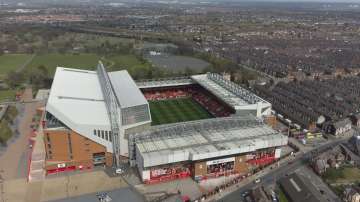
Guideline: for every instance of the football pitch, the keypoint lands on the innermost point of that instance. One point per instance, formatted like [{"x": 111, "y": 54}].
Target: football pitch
[{"x": 176, "y": 110}]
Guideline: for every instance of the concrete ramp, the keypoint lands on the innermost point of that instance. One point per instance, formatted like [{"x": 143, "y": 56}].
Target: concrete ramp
[{"x": 37, "y": 157}]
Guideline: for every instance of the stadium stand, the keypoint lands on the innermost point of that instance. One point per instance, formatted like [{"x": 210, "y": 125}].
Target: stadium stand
[{"x": 197, "y": 93}]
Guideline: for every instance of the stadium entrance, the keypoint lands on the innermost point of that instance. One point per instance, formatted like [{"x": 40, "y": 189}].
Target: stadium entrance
[
  {"x": 220, "y": 166},
  {"x": 167, "y": 173},
  {"x": 99, "y": 159}
]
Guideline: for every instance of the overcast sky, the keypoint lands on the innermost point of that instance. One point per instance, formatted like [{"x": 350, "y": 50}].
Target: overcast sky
[{"x": 337, "y": 1}]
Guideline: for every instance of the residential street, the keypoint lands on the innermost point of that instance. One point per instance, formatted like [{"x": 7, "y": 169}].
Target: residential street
[{"x": 272, "y": 175}]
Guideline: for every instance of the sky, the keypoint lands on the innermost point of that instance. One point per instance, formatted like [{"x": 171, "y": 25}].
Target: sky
[
  {"x": 337, "y": 1},
  {"x": 324, "y": 1}
]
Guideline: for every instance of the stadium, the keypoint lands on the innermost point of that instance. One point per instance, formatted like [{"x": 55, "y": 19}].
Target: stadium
[{"x": 200, "y": 126}]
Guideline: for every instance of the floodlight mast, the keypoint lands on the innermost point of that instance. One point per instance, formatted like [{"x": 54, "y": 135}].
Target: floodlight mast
[{"x": 113, "y": 109}]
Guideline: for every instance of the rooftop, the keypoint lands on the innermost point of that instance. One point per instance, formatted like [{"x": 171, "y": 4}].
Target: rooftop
[
  {"x": 205, "y": 139},
  {"x": 165, "y": 82},
  {"x": 231, "y": 93},
  {"x": 126, "y": 90},
  {"x": 76, "y": 98},
  {"x": 298, "y": 189}
]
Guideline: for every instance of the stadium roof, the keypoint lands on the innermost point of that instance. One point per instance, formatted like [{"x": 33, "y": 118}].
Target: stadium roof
[
  {"x": 205, "y": 139},
  {"x": 166, "y": 82},
  {"x": 126, "y": 91},
  {"x": 76, "y": 99},
  {"x": 229, "y": 92}
]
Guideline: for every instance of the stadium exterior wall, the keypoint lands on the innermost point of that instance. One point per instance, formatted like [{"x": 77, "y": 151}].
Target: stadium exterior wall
[
  {"x": 68, "y": 149},
  {"x": 201, "y": 169},
  {"x": 83, "y": 129},
  {"x": 162, "y": 158}
]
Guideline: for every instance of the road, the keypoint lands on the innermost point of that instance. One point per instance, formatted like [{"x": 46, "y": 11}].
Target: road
[{"x": 275, "y": 174}]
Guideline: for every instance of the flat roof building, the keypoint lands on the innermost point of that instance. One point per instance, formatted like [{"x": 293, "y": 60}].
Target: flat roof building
[{"x": 297, "y": 189}]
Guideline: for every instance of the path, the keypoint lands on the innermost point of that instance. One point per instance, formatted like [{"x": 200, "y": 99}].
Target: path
[
  {"x": 15, "y": 150},
  {"x": 23, "y": 66}
]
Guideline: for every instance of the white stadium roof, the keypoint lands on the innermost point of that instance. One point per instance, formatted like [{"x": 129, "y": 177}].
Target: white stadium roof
[
  {"x": 205, "y": 139},
  {"x": 164, "y": 82},
  {"x": 76, "y": 98},
  {"x": 77, "y": 101},
  {"x": 231, "y": 93},
  {"x": 126, "y": 90}
]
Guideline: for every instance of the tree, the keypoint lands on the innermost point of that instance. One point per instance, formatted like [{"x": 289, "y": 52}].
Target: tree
[
  {"x": 39, "y": 77},
  {"x": 14, "y": 79}
]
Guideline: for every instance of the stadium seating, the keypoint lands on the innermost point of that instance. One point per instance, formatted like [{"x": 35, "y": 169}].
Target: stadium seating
[{"x": 209, "y": 102}]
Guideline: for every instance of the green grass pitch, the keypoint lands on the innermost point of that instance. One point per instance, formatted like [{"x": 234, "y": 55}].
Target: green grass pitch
[{"x": 176, "y": 110}]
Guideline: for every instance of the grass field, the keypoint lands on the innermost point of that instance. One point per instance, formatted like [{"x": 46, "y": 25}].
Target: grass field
[
  {"x": 89, "y": 39},
  {"x": 5, "y": 131},
  {"x": 128, "y": 62},
  {"x": 177, "y": 110},
  {"x": 51, "y": 61},
  {"x": 88, "y": 61},
  {"x": 282, "y": 197},
  {"x": 7, "y": 95},
  {"x": 342, "y": 175},
  {"x": 10, "y": 62},
  {"x": 11, "y": 113}
]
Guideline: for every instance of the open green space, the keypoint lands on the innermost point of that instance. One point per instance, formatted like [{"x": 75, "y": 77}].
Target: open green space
[
  {"x": 89, "y": 61},
  {"x": 7, "y": 95},
  {"x": 9, "y": 62},
  {"x": 53, "y": 60},
  {"x": 11, "y": 113},
  {"x": 128, "y": 62},
  {"x": 5, "y": 131},
  {"x": 176, "y": 110},
  {"x": 339, "y": 190},
  {"x": 89, "y": 39},
  {"x": 282, "y": 196},
  {"x": 342, "y": 175}
]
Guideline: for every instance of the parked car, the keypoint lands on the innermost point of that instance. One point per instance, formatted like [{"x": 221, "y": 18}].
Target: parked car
[
  {"x": 119, "y": 171},
  {"x": 245, "y": 193}
]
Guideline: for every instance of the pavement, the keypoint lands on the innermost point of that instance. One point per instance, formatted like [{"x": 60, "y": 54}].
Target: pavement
[
  {"x": 59, "y": 187},
  {"x": 118, "y": 195},
  {"x": 186, "y": 186},
  {"x": 36, "y": 168},
  {"x": 16, "y": 153}
]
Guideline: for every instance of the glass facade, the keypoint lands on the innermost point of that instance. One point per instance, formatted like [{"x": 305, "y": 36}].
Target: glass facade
[{"x": 132, "y": 115}]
